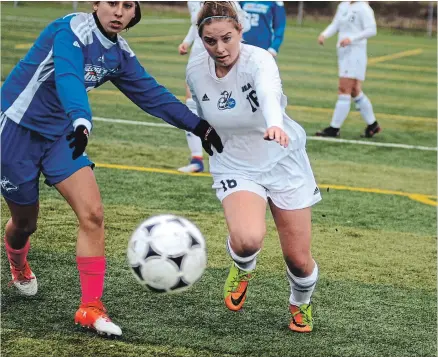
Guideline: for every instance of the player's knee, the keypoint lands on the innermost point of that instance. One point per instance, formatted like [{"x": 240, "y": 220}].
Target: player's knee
[
  {"x": 355, "y": 92},
  {"x": 247, "y": 243},
  {"x": 93, "y": 219},
  {"x": 343, "y": 89},
  {"x": 299, "y": 264},
  {"x": 24, "y": 226}
]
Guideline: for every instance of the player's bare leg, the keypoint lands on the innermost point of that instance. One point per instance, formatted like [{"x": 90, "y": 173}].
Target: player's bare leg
[
  {"x": 294, "y": 229},
  {"x": 245, "y": 215},
  {"x": 82, "y": 194},
  {"x": 342, "y": 108},
  {"x": 20, "y": 226},
  {"x": 363, "y": 104},
  {"x": 196, "y": 163}
]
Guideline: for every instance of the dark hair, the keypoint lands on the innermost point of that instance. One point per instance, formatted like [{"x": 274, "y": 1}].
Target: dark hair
[{"x": 217, "y": 10}]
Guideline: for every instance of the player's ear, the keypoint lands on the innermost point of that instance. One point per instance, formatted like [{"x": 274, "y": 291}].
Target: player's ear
[{"x": 95, "y": 3}]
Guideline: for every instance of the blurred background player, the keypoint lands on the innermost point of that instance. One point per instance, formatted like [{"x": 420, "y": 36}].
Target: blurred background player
[
  {"x": 45, "y": 124},
  {"x": 354, "y": 22},
  {"x": 264, "y": 158},
  {"x": 192, "y": 39},
  {"x": 268, "y": 22}
]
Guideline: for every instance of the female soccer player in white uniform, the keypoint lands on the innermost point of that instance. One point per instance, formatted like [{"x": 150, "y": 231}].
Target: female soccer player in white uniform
[
  {"x": 238, "y": 88},
  {"x": 192, "y": 38},
  {"x": 45, "y": 120},
  {"x": 355, "y": 23}
]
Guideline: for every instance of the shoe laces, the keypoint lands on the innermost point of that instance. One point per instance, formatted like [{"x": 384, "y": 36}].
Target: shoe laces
[
  {"x": 303, "y": 311},
  {"x": 22, "y": 276},
  {"x": 241, "y": 277}
]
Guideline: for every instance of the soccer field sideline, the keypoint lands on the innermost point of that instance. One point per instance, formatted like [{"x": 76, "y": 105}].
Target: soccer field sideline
[{"x": 332, "y": 140}]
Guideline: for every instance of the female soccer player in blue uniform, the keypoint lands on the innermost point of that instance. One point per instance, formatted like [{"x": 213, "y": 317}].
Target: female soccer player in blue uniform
[{"x": 44, "y": 127}]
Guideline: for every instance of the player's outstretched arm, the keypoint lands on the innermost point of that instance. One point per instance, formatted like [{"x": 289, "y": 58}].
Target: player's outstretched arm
[{"x": 142, "y": 89}]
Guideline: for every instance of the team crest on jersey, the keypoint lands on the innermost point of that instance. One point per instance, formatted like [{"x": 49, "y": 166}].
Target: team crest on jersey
[
  {"x": 226, "y": 102},
  {"x": 7, "y": 185},
  {"x": 95, "y": 73}
]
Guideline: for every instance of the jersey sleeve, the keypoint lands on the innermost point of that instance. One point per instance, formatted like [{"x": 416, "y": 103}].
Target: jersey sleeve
[
  {"x": 69, "y": 76},
  {"x": 191, "y": 35},
  {"x": 369, "y": 27},
  {"x": 278, "y": 25},
  {"x": 334, "y": 26},
  {"x": 268, "y": 88},
  {"x": 142, "y": 89}
]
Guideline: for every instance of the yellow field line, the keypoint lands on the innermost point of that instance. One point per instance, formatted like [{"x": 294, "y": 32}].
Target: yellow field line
[
  {"x": 425, "y": 199},
  {"x": 375, "y": 60},
  {"x": 299, "y": 108},
  {"x": 407, "y": 68}
]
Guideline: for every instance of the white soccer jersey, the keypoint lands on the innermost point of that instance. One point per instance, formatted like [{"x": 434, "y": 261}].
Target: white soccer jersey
[
  {"x": 192, "y": 36},
  {"x": 353, "y": 20},
  {"x": 240, "y": 106}
]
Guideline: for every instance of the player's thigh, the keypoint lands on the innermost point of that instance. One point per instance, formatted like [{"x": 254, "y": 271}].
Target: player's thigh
[
  {"x": 295, "y": 232},
  {"x": 21, "y": 152},
  {"x": 82, "y": 193},
  {"x": 244, "y": 203},
  {"x": 245, "y": 214}
]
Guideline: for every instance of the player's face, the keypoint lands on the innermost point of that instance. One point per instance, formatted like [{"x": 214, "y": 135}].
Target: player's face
[
  {"x": 222, "y": 42},
  {"x": 114, "y": 16}
]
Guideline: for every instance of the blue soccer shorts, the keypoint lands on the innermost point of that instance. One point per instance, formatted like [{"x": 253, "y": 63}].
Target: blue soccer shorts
[{"x": 25, "y": 154}]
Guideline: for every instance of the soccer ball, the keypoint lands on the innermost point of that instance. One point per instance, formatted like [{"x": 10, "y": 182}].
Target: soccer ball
[{"x": 167, "y": 253}]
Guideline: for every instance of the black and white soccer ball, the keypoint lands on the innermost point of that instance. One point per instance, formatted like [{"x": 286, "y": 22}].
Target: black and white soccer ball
[{"x": 167, "y": 253}]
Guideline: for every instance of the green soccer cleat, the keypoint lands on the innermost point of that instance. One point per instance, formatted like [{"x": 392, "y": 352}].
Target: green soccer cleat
[{"x": 236, "y": 286}]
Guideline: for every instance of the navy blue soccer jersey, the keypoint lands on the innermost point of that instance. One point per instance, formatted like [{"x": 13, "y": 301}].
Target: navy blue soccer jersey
[
  {"x": 268, "y": 22},
  {"x": 47, "y": 89}
]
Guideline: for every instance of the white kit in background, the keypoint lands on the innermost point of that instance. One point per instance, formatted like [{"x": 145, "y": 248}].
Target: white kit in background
[{"x": 355, "y": 21}]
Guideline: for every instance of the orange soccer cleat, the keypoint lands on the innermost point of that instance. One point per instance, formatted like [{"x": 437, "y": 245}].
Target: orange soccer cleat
[
  {"x": 236, "y": 287},
  {"x": 93, "y": 315},
  {"x": 302, "y": 320}
]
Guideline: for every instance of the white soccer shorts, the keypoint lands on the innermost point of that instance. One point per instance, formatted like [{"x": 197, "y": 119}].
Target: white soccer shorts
[
  {"x": 290, "y": 184},
  {"x": 352, "y": 62}
]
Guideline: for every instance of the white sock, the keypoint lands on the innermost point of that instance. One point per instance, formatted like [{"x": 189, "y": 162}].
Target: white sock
[
  {"x": 342, "y": 108},
  {"x": 301, "y": 289},
  {"x": 365, "y": 107},
  {"x": 243, "y": 263},
  {"x": 194, "y": 142}
]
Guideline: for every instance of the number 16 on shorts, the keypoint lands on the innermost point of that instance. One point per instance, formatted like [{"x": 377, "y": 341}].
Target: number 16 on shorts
[{"x": 228, "y": 184}]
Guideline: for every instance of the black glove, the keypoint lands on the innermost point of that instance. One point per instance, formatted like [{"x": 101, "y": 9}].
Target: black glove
[
  {"x": 79, "y": 140},
  {"x": 208, "y": 137}
]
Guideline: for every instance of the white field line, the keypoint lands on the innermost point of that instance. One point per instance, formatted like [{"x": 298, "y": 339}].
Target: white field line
[{"x": 334, "y": 140}]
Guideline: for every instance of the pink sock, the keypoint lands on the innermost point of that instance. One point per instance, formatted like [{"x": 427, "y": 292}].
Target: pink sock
[
  {"x": 91, "y": 275},
  {"x": 17, "y": 257}
]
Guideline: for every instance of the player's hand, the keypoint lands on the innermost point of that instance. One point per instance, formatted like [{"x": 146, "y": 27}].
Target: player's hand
[
  {"x": 183, "y": 48},
  {"x": 345, "y": 42},
  {"x": 78, "y": 140},
  {"x": 321, "y": 40},
  {"x": 277, "y": 134},
  {"x": 208, "y": 137}
]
